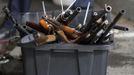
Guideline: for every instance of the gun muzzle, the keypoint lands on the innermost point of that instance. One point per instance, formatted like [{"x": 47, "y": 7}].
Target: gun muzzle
[
  {"x": 99, "y": 14},
  {"x": 108, "y": 8},
  {"x": 121, "y": 28}
]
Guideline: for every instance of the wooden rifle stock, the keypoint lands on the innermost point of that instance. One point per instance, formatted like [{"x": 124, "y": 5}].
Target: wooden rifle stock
[
  {"x": 35, "y": 27},
  {"x": 58, "y": 29}
]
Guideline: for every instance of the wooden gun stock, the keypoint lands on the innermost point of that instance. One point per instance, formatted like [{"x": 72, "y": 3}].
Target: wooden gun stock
[
  {"x": 42, "y": 39},
  {"x": 44, "y": 24},
  {"x": 35, "y": 27}
]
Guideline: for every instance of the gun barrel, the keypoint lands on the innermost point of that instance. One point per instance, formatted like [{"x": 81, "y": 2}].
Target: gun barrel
[
  {"x": 95, "y": 17},
  {"x": 99, "y": 14},
  {"x": 63, "y": 16},
  {"x": 21, "y": 30},
  {"x": 121, "y": 28},
  {"x": 116, "y": 19},
  {"x": 71, "y": 17},
  {"x": 66, "y": 14}
]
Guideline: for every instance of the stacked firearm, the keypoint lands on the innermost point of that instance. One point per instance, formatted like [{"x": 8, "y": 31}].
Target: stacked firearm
[{"x": 50, "y": 30}]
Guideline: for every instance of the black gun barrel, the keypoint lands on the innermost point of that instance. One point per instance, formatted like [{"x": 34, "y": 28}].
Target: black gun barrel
[
  {"x": 66, "y": 15},
  {"x": 21, "y": 30},
  {"x": 116, "y": 19},
  {"x": 99, "y": 14},
  {"x": 73, "y": 15},
  {"x": 63, "y": 16},
  {"x": 108, "y": 8},
  {"x": 121, "y": 28}
]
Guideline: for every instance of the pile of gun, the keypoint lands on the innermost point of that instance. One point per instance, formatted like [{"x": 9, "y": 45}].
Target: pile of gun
[{"x": 50, "y": 30}]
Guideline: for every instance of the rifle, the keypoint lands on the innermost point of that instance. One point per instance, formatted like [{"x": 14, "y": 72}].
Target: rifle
[
  {"x": 121, "y": 28},
  {"x": 96, "y": 15},
  {"x": 21, "y": 30},
  {"x": 116, "y": 19},
  {"x": 91, "y": 37}
]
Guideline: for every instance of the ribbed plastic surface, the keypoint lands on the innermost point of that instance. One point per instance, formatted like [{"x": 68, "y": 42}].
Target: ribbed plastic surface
[{"x": 65, "y": 59}]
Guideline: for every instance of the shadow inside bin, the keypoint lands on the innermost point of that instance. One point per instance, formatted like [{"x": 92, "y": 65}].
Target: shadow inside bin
[{"x": 119, "y": 60}]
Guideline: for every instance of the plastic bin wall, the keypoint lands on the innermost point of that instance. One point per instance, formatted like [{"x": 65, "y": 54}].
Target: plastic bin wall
[
  {"x": 65, "y": 59},
  {"x": 36, "y": 16}
]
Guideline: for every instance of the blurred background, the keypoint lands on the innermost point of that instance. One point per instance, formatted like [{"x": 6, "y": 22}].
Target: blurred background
[{"x": 121, "y": 58}]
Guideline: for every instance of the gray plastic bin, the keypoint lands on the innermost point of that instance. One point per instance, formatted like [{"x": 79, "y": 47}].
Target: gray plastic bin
[{"x": 65, "y": 59}]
